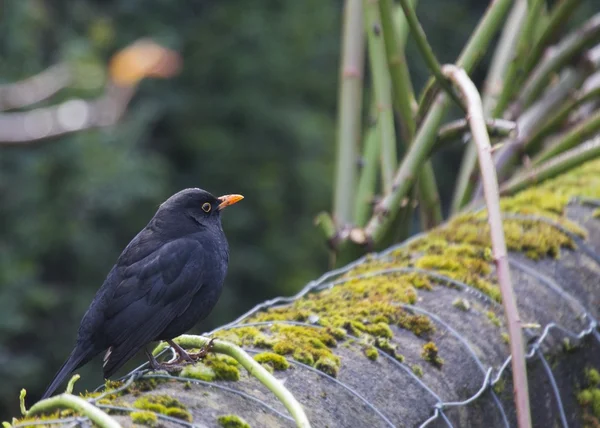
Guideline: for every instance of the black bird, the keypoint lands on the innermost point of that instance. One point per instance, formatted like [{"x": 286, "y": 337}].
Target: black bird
[{"x": 168, "y": 278}]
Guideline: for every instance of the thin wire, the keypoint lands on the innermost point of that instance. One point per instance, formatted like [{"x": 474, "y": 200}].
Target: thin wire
[
  {"x": 552, "y": 285},
  {"x": 158, "y": 415},
  {"x": 474, "y": 356},
  {"x": 221, "y": 387},
  {"x": 130, "y": 380},
  {"x": 328, "y": 280},
  {"x": 555, "y": 390},
  {"x": 407, "y": 369},
  {"x": 436, "y": 413},
  {"x": 340, "y": 383}
]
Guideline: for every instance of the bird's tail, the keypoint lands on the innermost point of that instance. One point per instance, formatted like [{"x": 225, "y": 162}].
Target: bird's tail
[{"x": 77, "y": 359}]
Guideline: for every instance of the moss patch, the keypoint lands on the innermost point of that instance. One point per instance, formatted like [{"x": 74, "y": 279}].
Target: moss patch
[
  {"x": 417, "y": 369},
  {"x": 430, "y": 354},
  {"x": 232, "y": 421},
  {"x": 164, "y": 405},
  {"x": 276, "y": 361},
  {"x": 493, "y": 318},
  {"x": 589, "y": 398},
  {"x": 369, "y": 303},
  {"x": 144, "y": 417}
]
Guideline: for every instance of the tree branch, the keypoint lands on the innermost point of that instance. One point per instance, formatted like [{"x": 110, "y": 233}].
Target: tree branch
[{"x": 490, "y": 184}]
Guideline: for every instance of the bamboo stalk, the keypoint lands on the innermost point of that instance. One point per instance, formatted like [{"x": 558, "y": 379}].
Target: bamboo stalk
[
  {"x": 349, "y": 111},
  {"x": 425, "y": 138},
  {"x": 531, "y": 119},
  {"x": 553, "y": 122},
  {"x": 404, "y": 95},
  {"x": 583, "y": 130},
  {"x": 558, "y": 17},
  {"x": 382, "y": 90},
  {"x": 492, "y": 197},
  {"x": 426, "y": 50},
  {"x": 494, "y": 86},
  {"x": 514, "y": 73},
  {"x": 570, "y": 48},
  {"x": 429, "y": 207},
  {"x": 495, "y": 127},
  {"x": 365, "y": 192},
  {"x": 555, "y": 166}
]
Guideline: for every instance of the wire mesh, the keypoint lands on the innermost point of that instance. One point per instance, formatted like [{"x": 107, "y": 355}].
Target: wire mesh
[{"x": 491, "y": 376}]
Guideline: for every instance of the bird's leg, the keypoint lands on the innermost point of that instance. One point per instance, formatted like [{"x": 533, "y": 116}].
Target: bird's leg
[
  {"x": 182, "y": 355},
  {"x": 155, "y": 365}
]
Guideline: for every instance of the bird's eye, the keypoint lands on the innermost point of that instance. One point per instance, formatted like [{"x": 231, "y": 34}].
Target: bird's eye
[{"x": 206, "y": 207}]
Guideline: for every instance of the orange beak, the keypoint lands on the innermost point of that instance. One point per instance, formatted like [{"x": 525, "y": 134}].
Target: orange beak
[{"x": 227, "y": 200}]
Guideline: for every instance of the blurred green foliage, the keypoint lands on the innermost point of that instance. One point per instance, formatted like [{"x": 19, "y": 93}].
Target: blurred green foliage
[{"x": 252, "y": 112}]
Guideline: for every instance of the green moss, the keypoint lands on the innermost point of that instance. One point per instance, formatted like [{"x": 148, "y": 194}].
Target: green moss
[
  {"x": 144, "y": 418},
  {"x": 593, "y": 377},
  {"x": 371, "y": 353},
  {"x": 275, "y": 361},
  {"x": 304, "y": 357},
  {"x": 589, "y": 398},
  {"x": 224, "y": 371},
  {"x": 380, "y": 329},
  {"x": 178, "y": 413},
  {"x": 596, "y": 213},
  {"x": 232, "y": 421},
  {"x": 499, "y": 386},
  {"x": 371, "y": 306},
  {"x": 430, "y": 354},
  {"x": 493, "y": 318},
  {"x": 417, "y": 370},
  {"x": 462, "y": 304},
  {"x": 199, "y": 371},
  {"x": 328, "y": 365},
  {"x": 505, "y": 337},
  {"x": 164, "y": 405}
]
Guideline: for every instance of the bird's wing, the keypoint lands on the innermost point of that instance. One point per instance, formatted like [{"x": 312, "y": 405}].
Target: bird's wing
[{"x": 153, "y": 292}]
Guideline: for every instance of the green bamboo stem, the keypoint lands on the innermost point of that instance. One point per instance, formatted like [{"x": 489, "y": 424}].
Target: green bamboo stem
[
  {"x": 426, "y": 50},
  {"x": 476, "y": 120},
  {"x": 253, "y": 368},
  {"x": 506, "y": 158},
  {"x": 430, "y": 208},
  {"x": 533, "y": 143},
  {"x": 68, "y": 401},
  {"x": 561, "y": 55},
  {"x": 583, "y": 130},
  {"x": 457, "y": 128},
  {"x": 540, "y": 27},
  {"x": 382, "y": 91},
  {"x": 514, "y": 74},
  {"x": 401, "y": 25},
  {"x": 365, "y": 193},
  {"x": 325, "y": 223},
  {"x": 425, "y": 138},
  {"x": 349, "y": 111},
  {"x": 404, "y": 95},
  {"x": 555, "y": 166},
  {"x": 559, "y": 15},
  {"x": 494, "y": 87}
]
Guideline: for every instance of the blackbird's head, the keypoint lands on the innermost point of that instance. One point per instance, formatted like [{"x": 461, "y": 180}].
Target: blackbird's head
[{"x": 199, "y": 206}]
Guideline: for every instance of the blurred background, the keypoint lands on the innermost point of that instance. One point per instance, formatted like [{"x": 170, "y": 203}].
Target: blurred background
[{"x": 252, "y": 111}]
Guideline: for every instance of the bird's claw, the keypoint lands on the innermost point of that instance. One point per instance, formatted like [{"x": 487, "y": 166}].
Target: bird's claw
[{"x": 203, "y": 351}]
